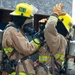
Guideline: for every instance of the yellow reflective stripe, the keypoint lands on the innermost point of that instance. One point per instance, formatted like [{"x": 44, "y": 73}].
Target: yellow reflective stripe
[
  {"x": 53, "y": 18},
  {"x": 43, "y": 58},
  {"x": 62, "y": 57},
  {"x": 7, "y": 50},
  {"x": 46, "y": 58},
  {"x": 57, "y": 56},
  {"x": 20, "y": 73},
  {"x": 36, "y": 42},
  {"x": 49, "y": 74}
]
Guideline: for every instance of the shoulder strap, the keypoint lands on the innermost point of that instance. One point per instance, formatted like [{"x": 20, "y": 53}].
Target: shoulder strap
[{"x": 10, "y": 25}]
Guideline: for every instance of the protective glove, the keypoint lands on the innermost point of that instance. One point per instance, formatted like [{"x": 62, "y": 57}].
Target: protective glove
[
  {"x": 43, "y": 20},
  {"x": 40, "y": 36},
  {"x": 57, "y": 9},
  {"x": 42, "y": 24}
]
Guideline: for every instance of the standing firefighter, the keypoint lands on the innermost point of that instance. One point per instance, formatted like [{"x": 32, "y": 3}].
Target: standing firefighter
[
  {"x": 57, "y": 30},
  {"x": 15, "y": 44}
]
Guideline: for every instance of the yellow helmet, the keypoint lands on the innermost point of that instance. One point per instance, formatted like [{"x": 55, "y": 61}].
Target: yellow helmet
[
  {"x": 67, "y": 21},
  {"x": 24, "y": 9}
]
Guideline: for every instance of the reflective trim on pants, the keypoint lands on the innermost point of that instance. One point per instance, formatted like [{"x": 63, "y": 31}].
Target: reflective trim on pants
[
  {"x": 20, "y": 73},
  {"x": 46, "y": 58},
  {"x": 49, "y": 74}
]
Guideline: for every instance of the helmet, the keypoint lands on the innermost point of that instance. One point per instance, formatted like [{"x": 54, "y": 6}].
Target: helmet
[
  {"x": 67, "y": 21},
  {"x": 24, "y": 9}
]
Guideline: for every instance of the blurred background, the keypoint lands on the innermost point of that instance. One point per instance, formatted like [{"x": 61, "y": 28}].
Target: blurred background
[{"x": 44, "y": 6}]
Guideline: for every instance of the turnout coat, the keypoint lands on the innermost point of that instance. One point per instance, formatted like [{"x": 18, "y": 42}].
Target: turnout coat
[{"x": 15, "y": 39}]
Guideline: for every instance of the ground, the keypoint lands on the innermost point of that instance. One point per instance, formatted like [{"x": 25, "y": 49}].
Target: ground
[{"x": 71, "y": 67}]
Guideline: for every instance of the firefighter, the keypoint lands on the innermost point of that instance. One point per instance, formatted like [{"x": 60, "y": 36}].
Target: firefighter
[
  {"x": 15, "y": 43},
  {"x": 57, "y": 30}
]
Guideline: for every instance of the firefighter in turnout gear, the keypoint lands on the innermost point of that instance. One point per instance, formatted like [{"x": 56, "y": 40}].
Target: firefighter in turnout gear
[
  {"x": 57, "y": 30},
  {"x": 16, "y": 45}
]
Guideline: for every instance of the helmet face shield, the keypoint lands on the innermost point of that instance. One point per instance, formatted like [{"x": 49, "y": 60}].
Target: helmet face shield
[
  {"x": 24, "y": 9},
  {"x": 34, "y": 9}
]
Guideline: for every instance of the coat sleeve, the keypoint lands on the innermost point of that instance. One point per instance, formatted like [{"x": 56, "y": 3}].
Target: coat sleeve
[
  {"x": 52, "y": 37},
  {"x": 51, "y": 24},
  {"x": 21, "y": 43}
]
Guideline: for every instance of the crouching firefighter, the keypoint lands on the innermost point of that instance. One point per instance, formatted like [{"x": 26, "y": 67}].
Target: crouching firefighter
[
  {"x": 16, "y": 45},
  {"x": 57, "y": 30}
]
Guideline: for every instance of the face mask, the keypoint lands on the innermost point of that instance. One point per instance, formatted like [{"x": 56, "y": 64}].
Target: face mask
[{"x": 28, "y": 28}]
